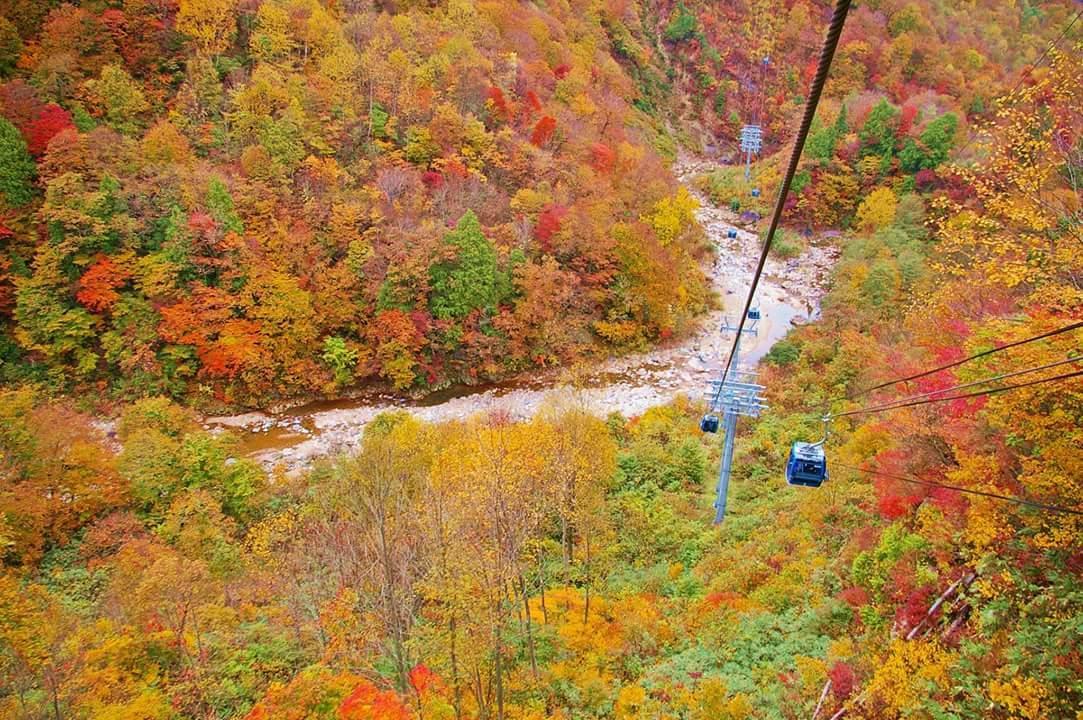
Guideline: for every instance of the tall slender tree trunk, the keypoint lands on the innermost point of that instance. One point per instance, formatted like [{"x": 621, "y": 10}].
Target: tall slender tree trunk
[
  {"x": 529, "y": 628},
  {"x": 457, "y": 689},
  {"x": 565, "y": 552},
  {"x": 586, "y": 584},
  {"x": 541, "y": 587},
  {"x": 480, "y": 695},
  {"x": 371, "y": 104},
  {"x": 391, "y": 606},
  {"x": 453, "y": 629},
  {"x": 499, "y": 677},
  {"x": 499, "y": 608},
  {"x": 55, "y": 692},
  {"x": 509, "y": 595}
]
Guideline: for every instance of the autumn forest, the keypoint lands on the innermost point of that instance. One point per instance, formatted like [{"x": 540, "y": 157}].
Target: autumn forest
[{"x": 231, "y": 208}]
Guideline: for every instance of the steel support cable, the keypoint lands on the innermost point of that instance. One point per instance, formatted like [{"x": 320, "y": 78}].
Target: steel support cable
[
  {"x": 984, "y": 381},
  {"x": 979, "y": 393},
  {"x": 827, "y": 54},
  {"x": 968, "y": 491},
  {"x": 969, "y": 358}
]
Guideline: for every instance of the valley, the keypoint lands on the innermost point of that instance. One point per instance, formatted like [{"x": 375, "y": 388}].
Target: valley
[
  {"x": 353, "y": 357},
  {"x": 627, "y": 385}
]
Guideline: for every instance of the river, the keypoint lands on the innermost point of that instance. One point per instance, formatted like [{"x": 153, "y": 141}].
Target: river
[{"x": 789, "y": 292}]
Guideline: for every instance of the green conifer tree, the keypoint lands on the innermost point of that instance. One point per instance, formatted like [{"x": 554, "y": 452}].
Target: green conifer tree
[{"x": 469, "y": 281}]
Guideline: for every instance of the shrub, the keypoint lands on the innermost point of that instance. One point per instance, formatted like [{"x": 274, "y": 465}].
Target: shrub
[
  {"x": 682, "y": 25},
  {"x": 787, "y": 245}
]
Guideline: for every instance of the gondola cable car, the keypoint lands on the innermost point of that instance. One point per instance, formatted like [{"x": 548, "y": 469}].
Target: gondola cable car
[
  {"x": 708, "y": 423},
  {"x": 807, "y": 465}
]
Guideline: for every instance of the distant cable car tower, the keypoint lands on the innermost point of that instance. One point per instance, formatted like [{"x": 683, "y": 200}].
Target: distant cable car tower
[
  {"x": 752, "y": 134},
  {"x": 751, "y": 143},
  {"x": 729, "y": 397}
]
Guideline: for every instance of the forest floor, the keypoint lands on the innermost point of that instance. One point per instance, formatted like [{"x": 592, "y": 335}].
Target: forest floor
[{"x": 789, "y": 293}]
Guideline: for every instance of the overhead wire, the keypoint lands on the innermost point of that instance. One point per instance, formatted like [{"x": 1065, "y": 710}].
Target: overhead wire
[
  {"x": 826, "y": 57},
  {"x": 947, "y": 366},
  {"x": 827, "y": 54},
  {"x": 979, "y": 393},
  {"x": 983, "y": 381},
  {"x": 1024, "y": 74},
  {"x": 1064, "y": 32},
  {"x": 967, "y": 491},
  {"x": 1051, "y": 45},
  {"x": 1075, "y": 359}
]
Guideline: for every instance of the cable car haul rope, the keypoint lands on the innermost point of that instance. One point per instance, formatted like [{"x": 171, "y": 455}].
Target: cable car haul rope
[
  {"x": 966, "y": 491},
  {"x": 939, "y": 396},
  {"x": 743, "y": 398},
  {"x": 969, "y": 358},
  {"x": 936, "y": 396},
  {"x": 827, "y": 54}
]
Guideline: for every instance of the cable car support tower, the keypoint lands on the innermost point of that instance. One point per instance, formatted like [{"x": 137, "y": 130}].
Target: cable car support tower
[
  {"x": 752, "y": 133},
  {"x": 733, "y": 395},
  {"x": 751, "y": 143}
]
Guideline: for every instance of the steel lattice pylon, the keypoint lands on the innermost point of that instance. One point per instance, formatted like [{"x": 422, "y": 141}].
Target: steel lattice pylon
[
  {"x": 730, "y": 397},
  {"x": 742, "y": 398},
  {"x": 751, "y": 144}
]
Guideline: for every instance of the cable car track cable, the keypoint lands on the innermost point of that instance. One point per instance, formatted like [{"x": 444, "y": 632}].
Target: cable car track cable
[
  {"x": 979, "y": 393},
  {"x": 827, "y": 54},
  {"x": 968, "y": 491},
  {"x": 969, "y": 358},
  {"x": 1051, "y": 45},
  {"x": 1033, "y": 66},
  {"x": 1041, "y": 58},
  {"x": 1003, "y": 376}
]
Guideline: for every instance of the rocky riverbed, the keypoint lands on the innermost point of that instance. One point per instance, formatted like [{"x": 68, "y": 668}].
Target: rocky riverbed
[{"x": 788, "y": 294}]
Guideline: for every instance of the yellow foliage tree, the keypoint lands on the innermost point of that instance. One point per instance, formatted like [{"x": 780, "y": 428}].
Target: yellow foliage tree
[
  {"x": 673, "y": 216},
  {"x": 270, "y": 40},
  {"x": 877, "y": 210},
  {"x": 1024, "y": 232},
  {"x": 909, "y": 673},
  {"x": 1020, "y": 696},
  {"x": 210, "y": 23}
]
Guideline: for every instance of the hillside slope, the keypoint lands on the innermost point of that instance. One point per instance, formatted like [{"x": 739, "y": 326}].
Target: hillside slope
[
  {"x": 252, "y": 201},
  {"x": 246, "y": 202},
  {"x": 565, "y": 567}
]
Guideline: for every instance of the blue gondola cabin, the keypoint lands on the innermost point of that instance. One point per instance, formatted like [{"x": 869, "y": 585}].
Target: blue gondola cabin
[
  {"x": 709, "y": 423},
  {"x": 807, "y": 465}
]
